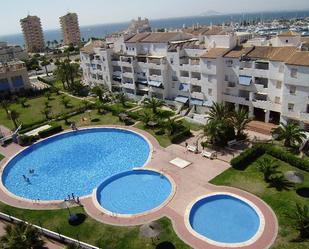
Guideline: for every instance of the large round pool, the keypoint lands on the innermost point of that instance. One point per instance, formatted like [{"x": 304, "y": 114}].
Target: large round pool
[
  {"x": 134, "y": 192},
  {"x": 223, "y": 218},
  {"x": 74, "y": 162}
]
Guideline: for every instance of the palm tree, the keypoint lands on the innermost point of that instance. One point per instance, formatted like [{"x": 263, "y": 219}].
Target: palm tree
[
  {"x": 23, "y": 102},
  {"x": 122, "y": 98},
  {"x": 240, "y": 120},
  {"x": 268, "y": 167},
  {"x": 60, "y": 73},
  {"x": 48, "y": 95},
  {"x": 218, "y": 111},
  {"x": 291, "y": 133},
  {"x": 153, "y": 104},
  {"x": 146, "y": 117},
  {"x": 14, "y": 115},
  {"x": 171, "y": 126},
  {"x": 5, "y": 104},
  {"x": 301, "y": 220},
  {"x": 100, "y": 107},
  {"x": 21, "y": 236},
  {"x": 45, "y": 63}
]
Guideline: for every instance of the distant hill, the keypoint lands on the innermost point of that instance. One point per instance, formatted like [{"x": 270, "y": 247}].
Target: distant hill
[{"x": 211, "y": 13}]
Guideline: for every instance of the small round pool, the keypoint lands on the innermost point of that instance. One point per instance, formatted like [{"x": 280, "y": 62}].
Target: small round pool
[
  {"x": 74, "y": 162},
  {"x": 223, "y": 218},
  {"x": 134, "y": 192}
]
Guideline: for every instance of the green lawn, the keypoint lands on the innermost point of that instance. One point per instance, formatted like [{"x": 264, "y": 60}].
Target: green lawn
[
  {"x": 163, "y": 140},
  {"x": 32, "y": 113},
  {"x": 93, "y": 232},
  {"x": 192, "y": 126},
  {"x": 281, "y": 202},
  {"x": 1, "y": 157}
]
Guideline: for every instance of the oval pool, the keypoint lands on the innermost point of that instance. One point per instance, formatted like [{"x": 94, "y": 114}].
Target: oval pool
[
  {"x": 134, "y": 192},
  {"x": 74, "y": 162},
  {"x": 224, "y": 218}
]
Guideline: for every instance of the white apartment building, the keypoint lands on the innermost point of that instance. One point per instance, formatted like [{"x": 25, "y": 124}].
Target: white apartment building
[
  {"x": 13, "y": 77},
  {"x": 11, "y": 52},
  {"x": 201, "y": 67}
]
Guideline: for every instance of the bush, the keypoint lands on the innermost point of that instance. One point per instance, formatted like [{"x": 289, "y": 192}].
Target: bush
[
  {"x": 50, "y": 131},
  {"x": 133, "y": 115},
  {"x": 250, "y": 155},
  {"x": 247, "y": 157},
  {"x": 180, "y": 136},
  {"x": 160, "y": 132},
  {"x": 25, "y": 140}
]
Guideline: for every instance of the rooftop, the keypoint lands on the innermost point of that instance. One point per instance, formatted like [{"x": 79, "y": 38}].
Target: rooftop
[{"x": 214, "y": 53}]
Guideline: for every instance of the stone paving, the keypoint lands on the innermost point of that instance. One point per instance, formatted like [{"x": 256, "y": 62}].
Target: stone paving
[{"x": 192, "y": 182}]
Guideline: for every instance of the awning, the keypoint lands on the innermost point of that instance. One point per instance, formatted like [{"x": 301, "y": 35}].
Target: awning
[
  {"x": 143, "y": 82},
  {"x": 184, "y": 87},
  {"x": 182, "y": 99},
  {"x": 117, "y": 77},
  {"x": 196, "y": 102},
  {"x": 245, "y": 80},
  {"x": 208, "y": 103},
  {"x": 4, "y": 85},
  {"x": 154, "y": 83},
  {"x": 261, "y": 93}
]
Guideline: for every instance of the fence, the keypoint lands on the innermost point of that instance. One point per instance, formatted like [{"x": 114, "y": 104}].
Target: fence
[{"x": 50, "y": 234}]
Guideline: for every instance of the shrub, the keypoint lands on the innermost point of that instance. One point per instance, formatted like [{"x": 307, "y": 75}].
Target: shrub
[
  {"x": 160, "y": 132},
  {"x": 250, "y": 155},
  {"x": 247, "y": 157},
  {"x": 134, "y": 115},
  {"x": 25, "y": 140},
  {"x": 180, "y": 136},
  {"x": 50, "y": 131}
]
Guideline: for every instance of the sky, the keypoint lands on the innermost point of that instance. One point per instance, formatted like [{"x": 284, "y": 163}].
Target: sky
[{"x": 111, "y": 11}]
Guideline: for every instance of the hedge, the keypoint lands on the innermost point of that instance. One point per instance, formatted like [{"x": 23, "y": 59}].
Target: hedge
[
  {"x": 25, "y": 140},
  {"x": 50, "y": 131},
  {"x": 250, "y": 155},
  {"x": 181, "y": 135}
]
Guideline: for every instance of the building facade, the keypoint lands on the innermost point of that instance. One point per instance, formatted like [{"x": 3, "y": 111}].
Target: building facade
[
  {"x": 33, "y": 34},
  {"x": 13, "y": 77},
  {"x": 70, "y": 29},
  {"x": 11, "y": 52},
  {"x": 198, "y": 69}
]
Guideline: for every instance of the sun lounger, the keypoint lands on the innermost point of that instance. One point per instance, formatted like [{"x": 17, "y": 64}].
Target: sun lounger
[
  {"x": 192, "y": 148},
  {"x": 210, "y": 155}
]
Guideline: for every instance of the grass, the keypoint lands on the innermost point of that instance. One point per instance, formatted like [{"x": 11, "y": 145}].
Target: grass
[
  {"x": 282, "y": 202},
  {"x": 1, "y": 157},
  {"x": 94, "y": 232},
  {"x": 32, "y": 113},
  {"x": 163, "y": 140},
  {"x": 192, "y": 126}
]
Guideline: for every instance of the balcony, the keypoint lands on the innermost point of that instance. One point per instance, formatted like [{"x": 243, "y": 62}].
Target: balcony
[
  {"x": 128, "y": 86},
  {"x": 155, "y": 77},
  {"x": 128, "y": 75},
  {"x": 183, "y": 79},
  {"x": 236, "y": 99},
  {"x": 254, "y": 72},
  {"x": 304, "y": 116},
  {"x": 266, "y": 105},
  {"x": 197, "y": 95},
  {"x": 196, "y": 81}
]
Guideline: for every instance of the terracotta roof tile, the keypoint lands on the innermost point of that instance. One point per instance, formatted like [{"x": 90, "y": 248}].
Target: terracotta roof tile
[
  {"x": 238, "y": 52},
  {"x": 299, "y": 58},
  {"x": 288, "y": 33},
  {"x": 215, "y": 53}
]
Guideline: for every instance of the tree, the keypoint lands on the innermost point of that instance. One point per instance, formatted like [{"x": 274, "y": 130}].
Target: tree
[
  {"x": 171, "y": 126},
  {"x": 240, "y": 120},
  {"x": 65, "y": 101},
  {"x": 100, "y": 107},
  {"x": 300, "y": 219},
  {"x": 48, "y": 43},
  {"x": 219, "y": 132},
  {"x": 146, "y": 117},
  {"x": 291, "y": 133},
  {"x": 45, "y": 63},
  {"x": 122, "y": 98},
  {"x": 268, "y": 167},
  {"x": 23, "y": 102},
  {"x": 153, "y": 104},
  {"x": 21, "y": 236},
  {"x": 46, "y": 112},
  {"x": 5, "y": 104},
  {"x": 14, "y": 115},
  {"x": 218, "y": 111},
  {"x": 98, "y": 91}
]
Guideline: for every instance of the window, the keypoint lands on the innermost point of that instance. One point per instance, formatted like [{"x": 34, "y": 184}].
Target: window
[
  {"x": 281, "y": 68},
  {"x": 277, "y": 100},
  {"x": 173, "y": 84},
  {"x": 292, "y": 90},
  {"x": 229, "y": 63},
  {"x": 172, "y": 60},
  {"x": 226, "y": 77},
  {"x": 286, "y": 41},
  {"x": 279, "y": 84},
  {"x": 294, "y": 73},
  {"x": 290, "y": 107},
  {"x": 209, "y": 92},
  {"x": 208, "y": 64},
  {"x": 209, "y": 78}
]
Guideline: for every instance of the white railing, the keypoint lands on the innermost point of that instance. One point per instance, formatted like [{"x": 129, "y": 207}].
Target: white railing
[{"x": 48, "y": 233}]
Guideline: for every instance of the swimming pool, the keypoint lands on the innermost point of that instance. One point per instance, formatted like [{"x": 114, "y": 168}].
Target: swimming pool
[
  {"x": 223, "y": 218},
  {"x": 74, "y": 162},
  {"x": 134, "y": 192}
]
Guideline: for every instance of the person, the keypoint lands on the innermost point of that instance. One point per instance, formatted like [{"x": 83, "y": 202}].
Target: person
[
  {"x": 73, "y": 196},
  {"x": 77, "y": 200},
  {"x": 186, "y": 144}
]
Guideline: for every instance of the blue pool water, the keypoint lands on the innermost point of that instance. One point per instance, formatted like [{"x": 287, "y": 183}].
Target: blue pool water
[
  {"x": 75, "y": 162},
  {"x": 134, "y": 192},
  {"x": 224, "y": 218}
]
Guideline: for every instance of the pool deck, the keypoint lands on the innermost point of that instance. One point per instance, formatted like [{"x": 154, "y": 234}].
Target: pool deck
[{"x": 192, "y": 182}]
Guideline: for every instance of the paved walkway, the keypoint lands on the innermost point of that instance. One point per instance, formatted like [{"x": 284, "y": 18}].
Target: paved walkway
[{"x": 191, "y": 183}]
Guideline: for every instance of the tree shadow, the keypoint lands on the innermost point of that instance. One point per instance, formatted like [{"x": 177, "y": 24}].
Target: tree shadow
[
  {"x": 280, "y": 183},
  {"x": 303, "y": 192},
  {"x": 77, "y": 219},
  {"x": 165, "y": 245}
]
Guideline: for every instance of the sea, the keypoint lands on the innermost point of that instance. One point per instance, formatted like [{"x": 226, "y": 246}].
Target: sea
[{"x": 101, "y": 30}]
